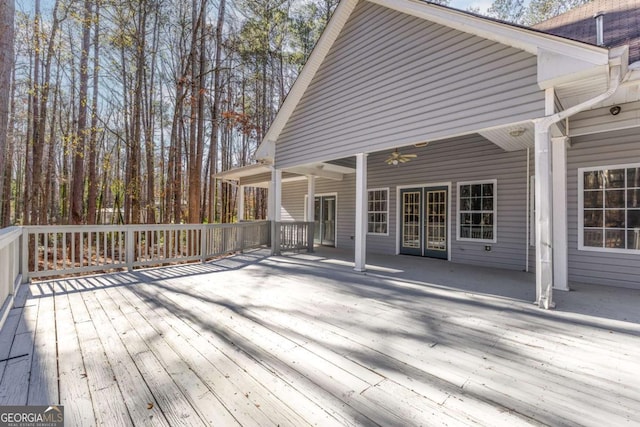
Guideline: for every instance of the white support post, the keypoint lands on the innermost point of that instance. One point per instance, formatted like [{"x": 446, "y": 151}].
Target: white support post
[
  {"x": 560, "y": 231},
  {"x": 271, "y": 198},
  {"x": 361, "y": 212},
  {"x": 544, "y": 208},
  {"x": 310, "y": 216},
  {"x": 278, "y": 198},
  {"x": 311, "y": 197},
  {"x": 240, "y": 203},
  {"x": 275, "y": 198}
]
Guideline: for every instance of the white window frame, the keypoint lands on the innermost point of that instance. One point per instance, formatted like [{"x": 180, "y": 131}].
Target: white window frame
[
  {"x": 495, "y": 211},
  {"x": 369, "y": 190},
  {"x": 581, "y": 245}
]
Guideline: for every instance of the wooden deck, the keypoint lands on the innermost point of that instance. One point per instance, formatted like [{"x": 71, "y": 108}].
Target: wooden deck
[{"x": 301, "y": 340}]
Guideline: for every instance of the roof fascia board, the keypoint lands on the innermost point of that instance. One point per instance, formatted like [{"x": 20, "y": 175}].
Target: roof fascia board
[
  {"x": 320, "y": 51},
  {"x": 520, "y": 38}
]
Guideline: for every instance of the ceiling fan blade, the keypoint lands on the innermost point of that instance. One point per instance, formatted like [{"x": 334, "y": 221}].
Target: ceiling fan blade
[{"x": 410, "y": 156}]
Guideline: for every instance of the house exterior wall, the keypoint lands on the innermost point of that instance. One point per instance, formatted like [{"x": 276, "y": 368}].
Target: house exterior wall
[
  {"x": 603, "y": 149},
  {"x": 474, "y": 158},
  {"x": 467, "y": 158},
  {"x": 391, "y": 79}
]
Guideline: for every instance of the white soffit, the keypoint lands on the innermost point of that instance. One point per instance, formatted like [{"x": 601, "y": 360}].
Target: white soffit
[{"x": 504, "y": 139}]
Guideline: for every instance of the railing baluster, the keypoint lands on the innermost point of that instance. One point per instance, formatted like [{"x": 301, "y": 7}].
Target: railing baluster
[
  {"x": 45, "y": 264},
  {"x": 55, "y": 251}
]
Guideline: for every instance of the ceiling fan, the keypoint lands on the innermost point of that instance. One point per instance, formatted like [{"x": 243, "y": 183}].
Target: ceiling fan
[{"x": 396, "y": 158}]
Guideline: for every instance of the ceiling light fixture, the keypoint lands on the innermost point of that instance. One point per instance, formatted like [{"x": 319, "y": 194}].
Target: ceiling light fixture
[
  {"x": 516, "y": 132},
  {"x": 615, "y": 110}
]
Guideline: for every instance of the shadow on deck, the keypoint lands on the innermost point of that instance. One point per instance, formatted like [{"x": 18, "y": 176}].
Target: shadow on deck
[{"x": 302, "y": 339}]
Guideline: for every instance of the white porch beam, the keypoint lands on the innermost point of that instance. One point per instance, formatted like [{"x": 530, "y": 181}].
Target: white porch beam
[
  {"x": 240, "y": 203},
  {"x": 311, "y": 196},
  {"x": 560, "y": 230},
  {"x": 317, "y": 171},
  {"x": 361, "y": 212}
]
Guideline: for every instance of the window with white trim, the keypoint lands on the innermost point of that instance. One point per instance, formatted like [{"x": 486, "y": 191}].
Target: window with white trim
[
  {"x": 378, "y": 211},
  {"x": 477, "y": 209},
  {"x": 609, "y": 208}
]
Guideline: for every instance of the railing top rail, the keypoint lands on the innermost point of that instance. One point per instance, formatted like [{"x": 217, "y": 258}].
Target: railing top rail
[
  {"x": 131, "y": 227},
  {"x": 9, "y": 235}
]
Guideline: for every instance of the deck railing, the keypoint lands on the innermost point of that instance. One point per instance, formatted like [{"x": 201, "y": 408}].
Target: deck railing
[
  {"x": 294, "y": 235},
  {"x": 48, "y": 251},
  {"x": 60, "y": 250},
  {"x": 10, "y": 278}
]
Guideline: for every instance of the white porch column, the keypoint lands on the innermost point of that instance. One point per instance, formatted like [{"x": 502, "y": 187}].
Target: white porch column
[
  {"x": 544, "y": 209},
  {"x": 311, "y": 196},
  {"x": 240, "y": 203},
  {"x": 271, "y": 199},
  {"x": 361, "y": 212},
  {"x": 560, "y": 232},
  {"x": 275, "y": 199}
]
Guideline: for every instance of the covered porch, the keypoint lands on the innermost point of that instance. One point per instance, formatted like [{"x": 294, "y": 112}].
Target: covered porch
[{"x": 302, "y": 339}]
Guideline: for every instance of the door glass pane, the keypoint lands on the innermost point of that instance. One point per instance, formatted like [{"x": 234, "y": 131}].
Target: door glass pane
[
  {"x": 436, "y": 226},
  {"x": 329, "y": 221},
  {"x": 411, "y": 219}
]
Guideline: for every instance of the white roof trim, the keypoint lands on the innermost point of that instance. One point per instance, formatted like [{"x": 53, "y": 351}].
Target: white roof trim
[
  {"x": 243, "y": 171},
  {"x": 320, "y": 51},
  {"x": 521, "y": 38}
]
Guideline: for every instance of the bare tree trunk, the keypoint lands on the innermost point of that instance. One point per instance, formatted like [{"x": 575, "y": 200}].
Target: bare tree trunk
[
  {"x": 6, "y": 171},
  {"x": 79, "y": 152},
  {"x": 149, "y": 124},
  {"x": 195, "y": 142},
  {"x": 32, "y": 160},
  {"x": 215, "y": 113},
  {"x": 134, "y": 187},
  {"x": 93, "y": 174},
  {"x": 7, "y": 12},
  {"x": 49, "y": 195}
]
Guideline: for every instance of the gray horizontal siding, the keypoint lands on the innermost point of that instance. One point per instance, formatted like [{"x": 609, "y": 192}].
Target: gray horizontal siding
[
  {"x": 461, "y": 159},
  {"x": 614, "y": 148},
  {"x": 293, "y": 204},
  {"x": 393, "y": 79}
]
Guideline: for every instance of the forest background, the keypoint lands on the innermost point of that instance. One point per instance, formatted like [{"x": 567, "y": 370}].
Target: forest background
[{"x": 116, "y": 111}]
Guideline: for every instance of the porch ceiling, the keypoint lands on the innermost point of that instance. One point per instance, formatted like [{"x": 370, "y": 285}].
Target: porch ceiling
[
  {"x": 259, "y": 175},
  {"x": 514, "y": 137}
]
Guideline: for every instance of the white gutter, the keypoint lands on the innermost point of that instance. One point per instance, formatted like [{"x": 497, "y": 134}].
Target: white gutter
[{"x": 543, "y": 184}]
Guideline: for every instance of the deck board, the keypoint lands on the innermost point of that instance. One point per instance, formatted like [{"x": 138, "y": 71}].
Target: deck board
[
  {"x": 74, "y": 387},
  {"x": 292, "y": 341}
]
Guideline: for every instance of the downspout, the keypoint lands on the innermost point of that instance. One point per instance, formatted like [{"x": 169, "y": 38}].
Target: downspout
[
  {"x": 528, "y": 212},
  {"x": 544, "y": 254}
]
